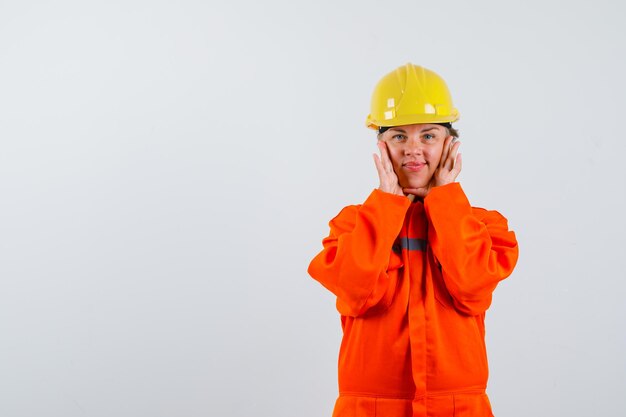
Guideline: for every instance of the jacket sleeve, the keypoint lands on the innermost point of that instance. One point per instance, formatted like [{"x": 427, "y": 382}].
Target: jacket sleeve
[
  {"x": 474, "y": 246},
  {"x": 353, "y": 264}
]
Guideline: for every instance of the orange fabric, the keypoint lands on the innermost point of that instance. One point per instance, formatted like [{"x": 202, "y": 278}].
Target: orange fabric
[{"x": 413, "y": 282}]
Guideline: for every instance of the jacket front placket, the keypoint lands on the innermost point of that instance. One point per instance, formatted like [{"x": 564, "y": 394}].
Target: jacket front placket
[{"x": 414, "y": 239}]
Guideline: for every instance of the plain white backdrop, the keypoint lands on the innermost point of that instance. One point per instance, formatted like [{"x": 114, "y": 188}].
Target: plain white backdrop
[{"x": 168, "y": 169}]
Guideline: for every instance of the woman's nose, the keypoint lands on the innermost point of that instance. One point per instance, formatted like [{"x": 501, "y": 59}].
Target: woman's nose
[{"x": 413, "y": 146}]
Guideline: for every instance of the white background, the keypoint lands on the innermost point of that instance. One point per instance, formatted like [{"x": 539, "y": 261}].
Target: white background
[{"x": 168, "y": 169}]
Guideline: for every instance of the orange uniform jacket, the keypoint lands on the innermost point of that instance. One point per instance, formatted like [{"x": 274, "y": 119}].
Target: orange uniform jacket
[{"x": 413, "y": 282}]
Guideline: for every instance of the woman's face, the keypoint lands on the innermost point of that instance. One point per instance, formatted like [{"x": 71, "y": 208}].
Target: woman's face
[{"x": 415, "y": 152}]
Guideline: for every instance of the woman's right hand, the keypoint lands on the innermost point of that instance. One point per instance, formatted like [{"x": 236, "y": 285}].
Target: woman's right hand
[{"x": 386, "y": 174}]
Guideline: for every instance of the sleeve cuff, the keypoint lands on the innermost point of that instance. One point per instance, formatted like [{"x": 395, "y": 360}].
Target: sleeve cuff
[
  {"x": 388, "y": 200},
  {"x": 449, "y": 195}
]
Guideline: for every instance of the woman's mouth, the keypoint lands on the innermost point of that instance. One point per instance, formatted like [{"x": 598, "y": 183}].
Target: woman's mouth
[{"x": 414, "y": 166}]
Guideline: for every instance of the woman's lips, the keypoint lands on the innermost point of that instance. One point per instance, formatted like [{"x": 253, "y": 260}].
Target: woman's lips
[{"x": 414, "y": 166}]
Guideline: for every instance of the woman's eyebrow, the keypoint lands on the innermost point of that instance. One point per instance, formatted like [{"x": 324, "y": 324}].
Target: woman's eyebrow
[
  {"x": 429, "y": 129},
  {"x": 397, "y": 130}
]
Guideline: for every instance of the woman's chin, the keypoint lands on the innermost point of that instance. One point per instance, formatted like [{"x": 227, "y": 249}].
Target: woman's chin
[{"x": 414, "y": 185}]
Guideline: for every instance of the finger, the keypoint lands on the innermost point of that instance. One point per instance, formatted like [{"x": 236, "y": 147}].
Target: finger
[
  {"x": 381, "y": 150},
  {"x": 418, "y": 192},
  {"x": 453, "y": 154},
  {"x": 458, "y": 165},
  {"x": 379, "y": 167},
  {"x": 384, "y": 156},
  {"x": 454, "y": 172},
  {"x": 445, "y": 152}
]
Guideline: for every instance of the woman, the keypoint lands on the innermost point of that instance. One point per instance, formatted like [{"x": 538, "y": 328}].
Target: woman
[{"x": 414, "y": 266}]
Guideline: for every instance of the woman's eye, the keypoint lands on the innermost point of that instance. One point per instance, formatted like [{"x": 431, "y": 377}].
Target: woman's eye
[
  {"x": 399, "y": 138},
  {"x": 428, "y": 136}
]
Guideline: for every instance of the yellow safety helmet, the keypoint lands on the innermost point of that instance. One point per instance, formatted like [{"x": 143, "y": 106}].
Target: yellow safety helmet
[{"x": 408, "y": 95}]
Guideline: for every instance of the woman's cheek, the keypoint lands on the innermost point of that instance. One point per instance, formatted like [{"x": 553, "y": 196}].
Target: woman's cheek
[{"x": 434, "y": 156}]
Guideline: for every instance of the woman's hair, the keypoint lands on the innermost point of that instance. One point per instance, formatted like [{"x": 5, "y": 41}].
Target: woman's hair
[{"x": 452, "y": 131}]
